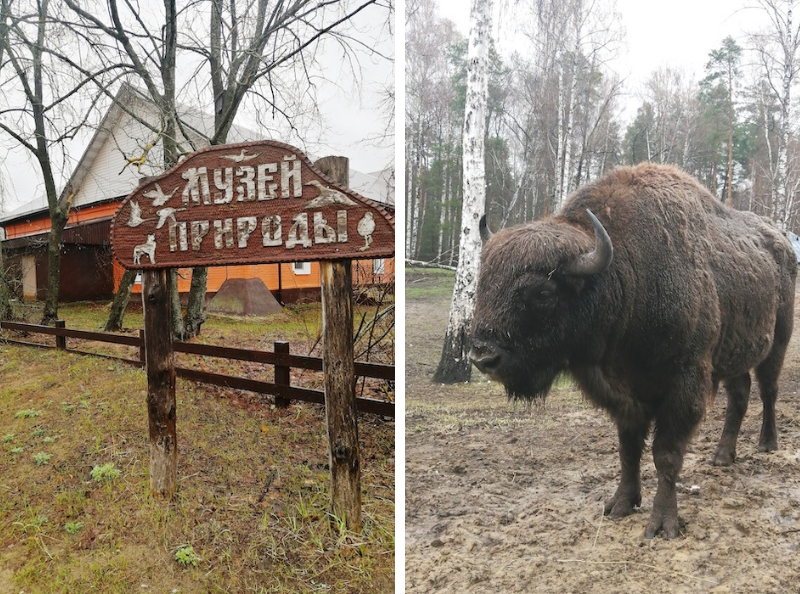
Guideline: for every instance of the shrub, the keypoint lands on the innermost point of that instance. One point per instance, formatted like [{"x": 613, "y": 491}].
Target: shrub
[
  {"x": 186, "y": 556},
  {"x": 42, "y": 458},
  {"x": 105, "y": 473}
]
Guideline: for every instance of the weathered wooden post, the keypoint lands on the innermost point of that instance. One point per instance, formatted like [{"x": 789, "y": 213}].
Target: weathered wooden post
[
  {"x": 160, "y": 369},
  {"x": 282, "y": 373},
  {"x": 336, "y": 282},
  {"x": 61, "y": 341}
]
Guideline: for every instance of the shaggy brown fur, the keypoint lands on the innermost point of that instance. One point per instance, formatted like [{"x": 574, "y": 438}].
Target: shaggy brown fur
[{"x": 696, "y": 294}]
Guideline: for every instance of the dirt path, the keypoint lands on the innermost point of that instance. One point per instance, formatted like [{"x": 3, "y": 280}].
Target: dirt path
[{"x": 509, "y": 499}]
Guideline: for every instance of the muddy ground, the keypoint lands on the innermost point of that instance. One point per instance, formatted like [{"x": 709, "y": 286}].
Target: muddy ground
[{"x": 503, "y": 498}]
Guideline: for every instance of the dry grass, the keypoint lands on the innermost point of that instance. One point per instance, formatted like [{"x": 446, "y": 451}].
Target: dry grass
[{"x": 253, "y": 483}]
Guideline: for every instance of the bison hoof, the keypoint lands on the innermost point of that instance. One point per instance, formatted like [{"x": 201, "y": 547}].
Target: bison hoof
[
  {"x": 668, "y": 526},
  {"x": 768, "y": 446},
  {"x": 723, "y": 457},
  {"x": 619, "y": 507}
]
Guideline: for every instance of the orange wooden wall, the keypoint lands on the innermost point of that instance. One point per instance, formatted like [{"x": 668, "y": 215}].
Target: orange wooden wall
[
  {"x": 216, "y": 275},
  {"x": 42, "y": 224}
]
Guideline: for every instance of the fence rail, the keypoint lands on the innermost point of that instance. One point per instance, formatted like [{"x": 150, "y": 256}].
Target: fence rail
[{"x": 283, "y": 362}]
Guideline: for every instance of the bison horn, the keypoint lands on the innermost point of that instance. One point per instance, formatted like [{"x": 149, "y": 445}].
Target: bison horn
[
  {"x": 484, "y": 230},
  {"x": 598, "y": 260}
]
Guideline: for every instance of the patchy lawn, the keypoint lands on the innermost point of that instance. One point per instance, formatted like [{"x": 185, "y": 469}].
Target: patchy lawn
[{"x": 250, "y": 514}]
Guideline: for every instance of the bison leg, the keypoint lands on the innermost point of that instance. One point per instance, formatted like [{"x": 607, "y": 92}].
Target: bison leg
[
  {"x": 674, "y": 428},
  {"x": 768, "y": 371},
  {"x": 738, "y": 389},
  {"x": 768, "y": 385},
  {"x": 629, "y": 492},
  {"x": 767, "y": 374}
]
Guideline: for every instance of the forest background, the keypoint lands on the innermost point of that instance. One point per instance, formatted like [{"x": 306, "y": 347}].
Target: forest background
[{"x": 565, "y": 108}]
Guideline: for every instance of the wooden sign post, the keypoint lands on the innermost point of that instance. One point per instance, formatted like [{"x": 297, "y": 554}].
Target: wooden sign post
[
  {"x": 252, "y": 203},
  {"x": 336, "y": 282},
  {"x": 160, "y": 368}
]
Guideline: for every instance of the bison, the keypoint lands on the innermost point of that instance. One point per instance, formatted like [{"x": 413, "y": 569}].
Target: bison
[{"x": 649, "y": 293}]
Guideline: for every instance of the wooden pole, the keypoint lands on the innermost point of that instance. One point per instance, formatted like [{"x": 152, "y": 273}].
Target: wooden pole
[
  {"x": 61, "y": 341},
  {"x": 336, "y": 280},
  {"x": 160, "y": 368},
  {"x": 282, "y": 373},
  {"x": 340, "y": 397}
]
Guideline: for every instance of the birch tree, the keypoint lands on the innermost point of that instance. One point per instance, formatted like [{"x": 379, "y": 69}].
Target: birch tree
[{"x": 454, "y": 365}]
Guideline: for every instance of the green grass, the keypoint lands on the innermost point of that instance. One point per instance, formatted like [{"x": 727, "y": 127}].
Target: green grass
[
  {"x": 42, "y": 458},
  {"x": 429, "y": 283},
  {"x": 105, "y": 473},
  {"x": 253, "y": 490},
  {"x": 186, "y": 556}
]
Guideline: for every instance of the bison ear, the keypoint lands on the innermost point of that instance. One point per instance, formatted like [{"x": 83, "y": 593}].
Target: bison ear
[
  {"x": 483, "y": 228},
  {"x": 599, "y": 259}
]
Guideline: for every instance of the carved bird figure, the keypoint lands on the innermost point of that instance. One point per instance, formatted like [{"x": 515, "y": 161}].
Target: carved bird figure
[
  {"x": 166, "y": 213},
  {"x": 327, "y": 196},
  {"x": 365, "y": 228},
  {"x": 136, "y": 215},
  {"x": 242, "y": 156},
  {"x": 158, "y": 196}
]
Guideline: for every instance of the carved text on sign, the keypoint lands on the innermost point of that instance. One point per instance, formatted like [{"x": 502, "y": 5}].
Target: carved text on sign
[
  {"x": 246, "y": 203},
  {"x": 227, "y": 234},
  {"x": 248, "y": 183}
]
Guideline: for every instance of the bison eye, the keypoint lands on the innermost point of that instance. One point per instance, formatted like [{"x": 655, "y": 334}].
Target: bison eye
[{"x": 540, "y": 296}]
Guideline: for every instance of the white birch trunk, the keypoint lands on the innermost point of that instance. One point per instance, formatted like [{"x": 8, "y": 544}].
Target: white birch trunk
[
  {"x": 558, "y": 180},
  {"x": 454, "y": 365},
  {"x": 443, "y": 216},
  {"x": 566, "y": 177},
  {"x": 409, "y": 209},
  {"x": 779, "y": 189}
]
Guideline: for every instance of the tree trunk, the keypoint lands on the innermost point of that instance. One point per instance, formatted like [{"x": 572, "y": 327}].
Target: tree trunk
[
  {"x": 58, "y": 221},
  {"x": 730, "y": 139},
  {"x": 454, "y": 365},
  {"x": 117, "y": 314},
  {"x": 5, "y": 293},
  {"x": 178, "y": 330},
  {"x": 195, "y": 308}
]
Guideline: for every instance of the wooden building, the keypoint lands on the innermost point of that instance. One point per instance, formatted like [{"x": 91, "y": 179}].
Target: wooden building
[{"x": 122, "y": 152}]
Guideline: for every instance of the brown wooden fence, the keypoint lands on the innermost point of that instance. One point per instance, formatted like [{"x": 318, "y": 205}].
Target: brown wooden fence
[{"x": 280, "y": 358}]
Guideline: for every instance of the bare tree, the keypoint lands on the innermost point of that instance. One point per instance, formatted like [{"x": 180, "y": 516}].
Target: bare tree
[
  {"x": 5, "y": 303},
  {"x": 431, "y": 125},
  {"x": 777, "y": 51},
  {"x": 454, "y": 365},
  {"x": 251, "y": 43},
  {"x": 42, "y": 115},
  {"x": 248, "y": 48},
  {"x": 151, "y": 57}
]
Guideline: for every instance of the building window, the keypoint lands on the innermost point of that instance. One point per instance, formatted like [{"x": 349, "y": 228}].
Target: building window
[
  {"x": 301, "y": 268},
  {"x": 379, "y": 266},
  {"x": 138, "y": 279}
]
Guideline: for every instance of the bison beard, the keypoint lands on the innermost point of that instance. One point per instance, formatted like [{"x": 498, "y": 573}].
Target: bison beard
[{"x": 649, "y": 306}]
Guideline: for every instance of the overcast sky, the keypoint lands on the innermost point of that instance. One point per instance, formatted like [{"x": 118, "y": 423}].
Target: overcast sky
[
  {"x": 352, "y": 115},
  {"x": 678, "y": 33}
]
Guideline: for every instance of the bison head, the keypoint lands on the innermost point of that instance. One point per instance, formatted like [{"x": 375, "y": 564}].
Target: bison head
[{"x": 531, "y": 308}]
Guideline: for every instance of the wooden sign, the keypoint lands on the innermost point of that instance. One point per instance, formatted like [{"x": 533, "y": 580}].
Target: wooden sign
[{"x": 249, "y": 203}]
